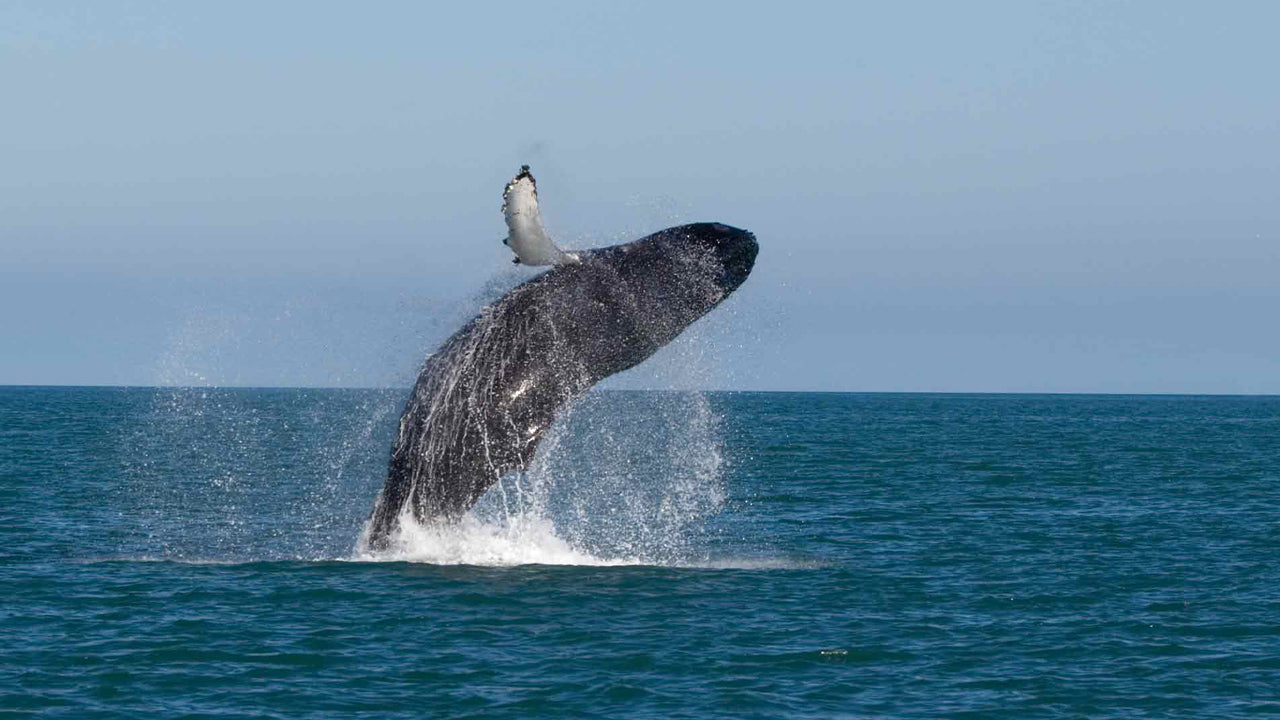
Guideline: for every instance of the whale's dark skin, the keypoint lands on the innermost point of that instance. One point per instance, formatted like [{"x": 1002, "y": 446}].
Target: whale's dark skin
[{"x": 486, "y": 397}]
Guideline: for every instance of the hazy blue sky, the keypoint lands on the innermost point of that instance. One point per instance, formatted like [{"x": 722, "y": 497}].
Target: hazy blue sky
[{"x": 1018, "y": 196}]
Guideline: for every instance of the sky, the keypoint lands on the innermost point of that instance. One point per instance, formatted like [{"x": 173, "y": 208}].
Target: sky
[{"x": 949, "y": 197}]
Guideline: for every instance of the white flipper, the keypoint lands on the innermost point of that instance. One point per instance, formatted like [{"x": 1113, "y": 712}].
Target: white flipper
[{"x": 526, "y": 236}]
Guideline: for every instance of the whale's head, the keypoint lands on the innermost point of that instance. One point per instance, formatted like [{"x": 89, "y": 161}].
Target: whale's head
[
  {"x": 681, "y": 273},
  {"x": 734, "y": 250},
  {"x": 624, "y": 302},
  {"x": 708, "y": 257}
]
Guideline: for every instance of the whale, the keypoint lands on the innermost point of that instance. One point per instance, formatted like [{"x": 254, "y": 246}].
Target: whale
[{"x": 483, "y": 401}]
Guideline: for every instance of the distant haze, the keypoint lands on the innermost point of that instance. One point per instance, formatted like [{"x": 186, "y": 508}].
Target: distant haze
[{"x": 1058, "y": 197}]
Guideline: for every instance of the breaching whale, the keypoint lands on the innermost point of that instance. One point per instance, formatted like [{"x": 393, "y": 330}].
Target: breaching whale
[{"x": 483, "y": 401}]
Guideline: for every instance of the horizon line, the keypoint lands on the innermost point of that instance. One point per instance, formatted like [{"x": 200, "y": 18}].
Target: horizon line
[{"x": 406, "y": 388}]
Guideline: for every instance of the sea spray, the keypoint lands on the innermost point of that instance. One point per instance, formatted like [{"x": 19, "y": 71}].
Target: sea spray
[
  {"x": 251, "y": 474},
  {"x": 624, "y": 477}
]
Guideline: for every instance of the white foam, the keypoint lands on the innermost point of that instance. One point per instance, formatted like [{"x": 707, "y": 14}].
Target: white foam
[
  {"x": 525, "y": 539},
  {"x": 530, "y": 539}
]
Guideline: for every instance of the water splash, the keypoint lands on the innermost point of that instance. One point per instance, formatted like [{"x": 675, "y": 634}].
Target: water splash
[
  {"x": 525, "y": 539},
  {"x": 244, "y": 474},
  {"x": 622, "y": 478},
  {"x": 236, "y": 474}
]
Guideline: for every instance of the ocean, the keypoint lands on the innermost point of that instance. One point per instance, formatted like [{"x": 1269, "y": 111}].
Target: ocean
[{"x": 196, "y": 553}]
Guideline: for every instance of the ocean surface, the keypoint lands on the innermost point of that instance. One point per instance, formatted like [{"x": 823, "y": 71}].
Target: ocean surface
[{"x": 196, "y": 553}]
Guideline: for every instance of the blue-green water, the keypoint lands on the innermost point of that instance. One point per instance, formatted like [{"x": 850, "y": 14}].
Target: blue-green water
[{"x": 194, "y": 553}]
